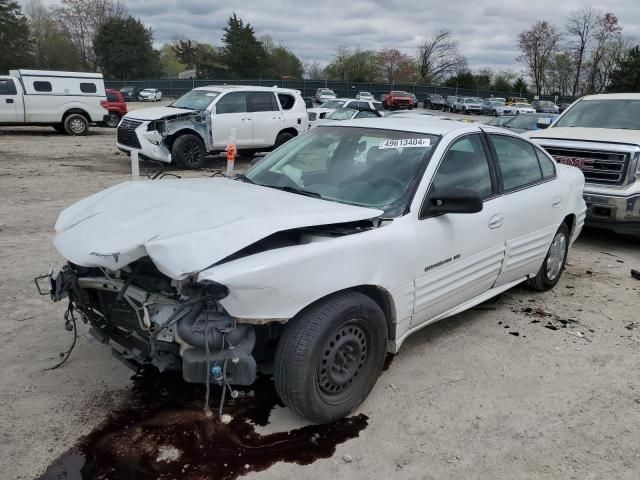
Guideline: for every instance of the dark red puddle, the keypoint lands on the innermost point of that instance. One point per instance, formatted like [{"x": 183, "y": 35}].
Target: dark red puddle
[{"x": 163, "y": 433}]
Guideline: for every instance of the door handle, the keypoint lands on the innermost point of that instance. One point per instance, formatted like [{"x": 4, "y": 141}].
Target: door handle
[
  {"x": 556, "y": 202},
  {"x": 8, "y": 100},
  {"x": 496, "y": 221}
]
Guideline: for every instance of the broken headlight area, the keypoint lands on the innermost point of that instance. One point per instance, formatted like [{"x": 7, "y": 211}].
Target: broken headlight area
[{"x": 148, "y": 318}]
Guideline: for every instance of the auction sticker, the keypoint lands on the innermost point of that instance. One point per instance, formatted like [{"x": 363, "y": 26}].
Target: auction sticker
[{"x": 405, "y": 142}]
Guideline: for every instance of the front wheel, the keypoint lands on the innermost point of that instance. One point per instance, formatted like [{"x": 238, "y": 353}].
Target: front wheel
[
  {"x": 330, "y": 356},
  {"x": 551, "y": 269},
  {"x": 189, "y": 152}
]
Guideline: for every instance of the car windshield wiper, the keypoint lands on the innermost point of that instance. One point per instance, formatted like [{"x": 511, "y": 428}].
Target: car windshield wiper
[
  {"x": 242, "y": 177},
  {"x": 299, "y": 191}
]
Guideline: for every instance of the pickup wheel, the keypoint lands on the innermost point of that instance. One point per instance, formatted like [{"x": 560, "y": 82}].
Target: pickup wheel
[
  {"x": 282, "y": 138},
  {"x": 330, "y": 356},
  {"x": 76, "y": 124},
  {"x": 112, "y": 120},
  {"x": 551, "y": 269},
  {"x": 189, "y": 152}
]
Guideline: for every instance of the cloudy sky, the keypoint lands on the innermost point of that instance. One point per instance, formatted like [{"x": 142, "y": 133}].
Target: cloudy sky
[{"x": 486, "y": 30}]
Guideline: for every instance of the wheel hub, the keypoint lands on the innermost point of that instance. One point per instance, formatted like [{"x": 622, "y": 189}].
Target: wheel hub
[
  {"x": 342, "y": 359},
  {"x": 555, "y": 260}
]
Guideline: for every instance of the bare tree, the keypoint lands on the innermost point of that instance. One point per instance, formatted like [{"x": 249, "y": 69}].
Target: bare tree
[
  {"x": 537, "y": 47},
  {"x": 438, "y": 57},
  {"x": 607, "y": 36},
  {"x": 313, "y": 70},
  {"x": 580, "y": 25},
  {"x": 39, "y": 26},
  {"x": 81, "y": 19}
]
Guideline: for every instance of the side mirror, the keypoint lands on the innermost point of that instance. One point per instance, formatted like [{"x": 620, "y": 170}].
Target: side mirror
[{"x": 452, "y": 200}]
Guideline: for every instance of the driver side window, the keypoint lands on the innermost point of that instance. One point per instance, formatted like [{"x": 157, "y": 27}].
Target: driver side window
[
  {"x": 465, "y": 165},
  {"x": 235, "y": 102}
]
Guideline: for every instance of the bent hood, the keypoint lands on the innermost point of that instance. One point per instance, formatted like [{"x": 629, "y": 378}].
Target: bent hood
[
  {"x": 185, "y": 225},
  {"x": 605, "y": 135},
  {"x": 157, "y": 113}
]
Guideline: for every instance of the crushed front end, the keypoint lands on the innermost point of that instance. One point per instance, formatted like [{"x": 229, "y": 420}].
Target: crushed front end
[{"x": 149, "y": 318}]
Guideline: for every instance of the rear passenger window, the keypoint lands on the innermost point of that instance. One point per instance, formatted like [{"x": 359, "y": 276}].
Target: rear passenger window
[
  {"x": 42, "y": 86},
  {"x": 465, "y": 165},
  {"x": 546, "y": 164},
  {"x": 287, "y": 101},
  {"x": 88, "y": 88},
  {"x": 235, "y": 102},
  {"x": 262, "y": 102},
  {"x": 518, "y": 162},
  {"x": 7, "y": 87},
  {"x": 112, "y": 97}
]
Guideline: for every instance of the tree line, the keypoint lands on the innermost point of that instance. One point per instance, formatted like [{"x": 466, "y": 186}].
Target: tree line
[{"x": 588, "y": 54}]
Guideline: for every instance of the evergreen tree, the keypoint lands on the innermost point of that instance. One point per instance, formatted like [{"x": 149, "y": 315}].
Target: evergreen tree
[
  {"x": 242, "y": 53},
  {"x": 14, "y": 37},
  {"x": 626, "y": 77}
]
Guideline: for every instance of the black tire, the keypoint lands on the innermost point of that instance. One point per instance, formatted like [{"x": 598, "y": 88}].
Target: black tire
[
  {"x": 464, "y": 110},
  {"x": 547, "y": 277},
  {"x": 76, "y": 124},
  {"x": 282, "y": 138},
  {"x": 112, "y": 120},
  {"x": 189, "y": 152},
  {"x": 495, "y": 113},
  {"x": 346, "y": 331}
]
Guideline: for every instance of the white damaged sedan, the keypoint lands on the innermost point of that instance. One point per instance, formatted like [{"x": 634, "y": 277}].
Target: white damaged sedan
[{"x": 323, "y": 257}]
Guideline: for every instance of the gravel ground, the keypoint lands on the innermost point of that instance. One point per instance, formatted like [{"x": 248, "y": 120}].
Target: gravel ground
[{"x": 465, "y": 398}]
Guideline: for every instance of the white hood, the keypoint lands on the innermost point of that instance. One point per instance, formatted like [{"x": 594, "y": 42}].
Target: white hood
[
  {"x": 156, "y": 113},
  {"x": 589, "y": 134},
  {"x": 185, "y": 225}
]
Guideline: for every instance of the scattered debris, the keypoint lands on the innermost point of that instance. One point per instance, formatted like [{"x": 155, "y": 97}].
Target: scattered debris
[
  {"x": 347, "y": 458},
  {"x": 515, "y": 334},
  {"x": 610, "y": 254},
  {"x": 632, "y": 325},
  {"x": 168, "y": 453},
  {"x": 635, "y": 274}
]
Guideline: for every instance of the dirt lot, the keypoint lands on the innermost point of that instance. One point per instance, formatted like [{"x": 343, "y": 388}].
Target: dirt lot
[{"x": 543, "y": 387}]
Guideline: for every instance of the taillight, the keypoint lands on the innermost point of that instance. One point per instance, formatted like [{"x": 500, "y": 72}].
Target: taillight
[{"x": 103, "y": 103}]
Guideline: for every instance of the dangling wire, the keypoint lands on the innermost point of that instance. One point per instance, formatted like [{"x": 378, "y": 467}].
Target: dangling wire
[{"x": 69, "y": 319}]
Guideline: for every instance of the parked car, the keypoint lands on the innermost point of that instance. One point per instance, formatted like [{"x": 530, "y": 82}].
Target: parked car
[
  {"x": 383, "y": 97},
  {"x": 513, "y": 100},
  {"x": 116, "y": 105},
  {"x": 316, "y": 114},
  {"x": 150, "y": 95},
  {"x": 324, "y": 94},
  {"x": 342, "y": 114},
  {"x": 468, "y": 106},
  {"x": 545, "y": 106},
  {"x": 522, "y": 108},
  {"x": 496, "y": 108},
  {"x": 563, "y": 106},
  {"x": 130, "y": 93},
  {"x": 203, "y": 121},
  {"x": 530, "y": 121},
  {"x": 600, "y": 134},
  {"x": 414, "y": 99},
  {"x": 498, "y": 99},
  {"x": 67, "y": 101},
  {"x": 398, "y": 99},
  {"x": 364, "y": 96},
  {"x": 335, "y": 103},
  {"x": 434, "y": 102},
  {"x": 214, "y": 288},
  {"x": 450, "y": 103},
  {"x": 308, "y": 102},
  {"x": 364, "y": 105}
]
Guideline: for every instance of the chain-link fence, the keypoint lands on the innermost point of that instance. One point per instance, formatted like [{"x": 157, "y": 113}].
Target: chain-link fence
[{"x": 177, "y": 87}]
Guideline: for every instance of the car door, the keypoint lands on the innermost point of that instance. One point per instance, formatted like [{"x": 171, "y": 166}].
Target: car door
[
  {"x": 459, "y": 256},
  {"x": 533, "y": 204},
  {"x": 266, "y": 118},
  {"x": 231, "y": 111},
  {"x": 11, "y": 110}
]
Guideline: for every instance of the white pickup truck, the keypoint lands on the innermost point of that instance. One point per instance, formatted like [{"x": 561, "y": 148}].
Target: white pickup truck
[
  {"x": 203, "y": 120},
  {"x": 600, "y": 134},
  {"x": 68, "y": 101}
]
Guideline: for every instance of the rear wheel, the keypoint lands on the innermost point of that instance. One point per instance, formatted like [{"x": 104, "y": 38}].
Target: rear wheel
[
  {"x": 112, "y": 120},
  {"x": 282, "y": 138},
  {"x": 330, "y": 356},
  {"x": 189, "y": 152},
  {"x": 76, "y": 124},
  {"x": 551, "y": 269}
]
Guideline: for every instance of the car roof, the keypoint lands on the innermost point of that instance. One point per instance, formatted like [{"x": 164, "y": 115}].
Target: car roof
[
  {"x": 246, "y": 88},
  {"x": 612, "y": 96},
  {"x": 426, "y": 124}
]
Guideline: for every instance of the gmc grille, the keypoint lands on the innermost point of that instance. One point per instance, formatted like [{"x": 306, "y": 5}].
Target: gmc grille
[
  {"x": 604, "y": 168},
  {"x": 127, "y": 133}
]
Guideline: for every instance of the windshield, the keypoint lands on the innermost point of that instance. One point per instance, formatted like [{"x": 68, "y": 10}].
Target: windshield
[
  {"x": 333, "y": 104},
  {"x": 365, "y": 94},
  {"x": 526, "y": 122},
  {"x": 195, "y": 100},
  {"x": 361, "y": 166},
  {"x": 326, "y": 92},
  {"x": 498, "y": 121},
  {"x": 470, "y": 100},
  {"x": 148, "y": 90},
  {"x": 397, "y": 93},
  {"x": 619, "y": 114},
  {"x": 522, "y": 105},
  {"x": 342, "y": 114}
]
